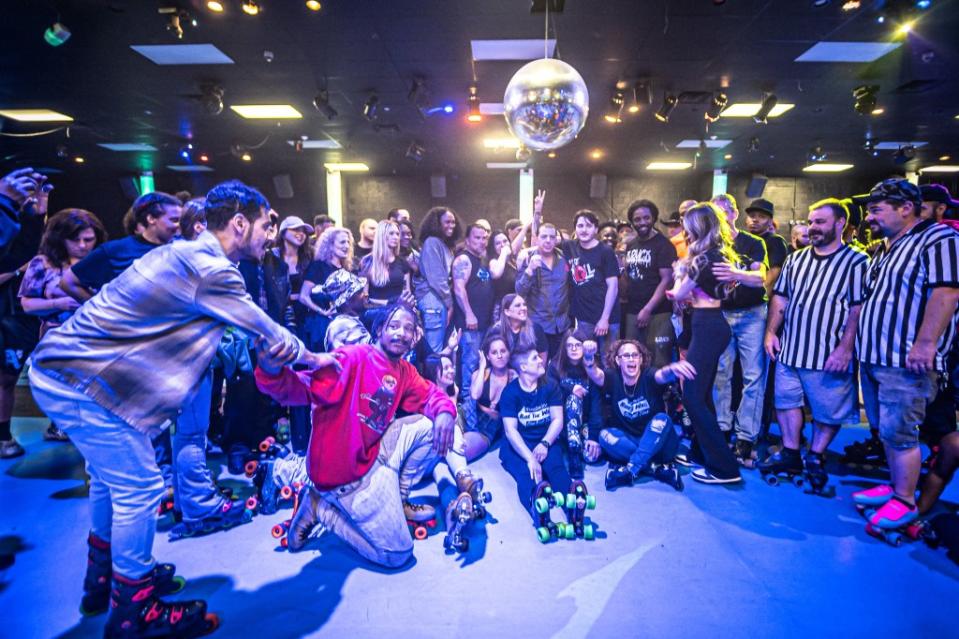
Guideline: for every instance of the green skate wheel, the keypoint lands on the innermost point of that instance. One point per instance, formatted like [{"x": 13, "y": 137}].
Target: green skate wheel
[
  {"x": 569, "y": 531},
  {"x": 588, "y": 532},
  {"x": 559, "y": 500},
  {"x": 591, "y": 502},
  {"x": 541, "y": 505},
  {"x": 543, "y": 534}
]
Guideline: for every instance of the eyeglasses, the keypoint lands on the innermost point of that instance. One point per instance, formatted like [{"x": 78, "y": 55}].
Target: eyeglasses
[
  {"x": 629, "y": 355},
  {"x": 574, "y": 346}
]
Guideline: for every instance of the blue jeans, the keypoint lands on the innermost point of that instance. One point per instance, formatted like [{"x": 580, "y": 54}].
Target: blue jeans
[
  {"x": 125, "y": 482},
  {"x": 601, "y": 342},
  {"x": 658, "y": 443},
  {"x": 470, "y": 343},
  {"x": 194, "y": 492},
  {"x": 748, "y": 326},
  {"x": 434, "y": 321}
]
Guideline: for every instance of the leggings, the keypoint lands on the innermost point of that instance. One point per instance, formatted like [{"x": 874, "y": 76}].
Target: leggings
[
  {"x": 658, "y": 443},
  {"x": 554, "y": 472},
  {"x": 710, "y": 336}
]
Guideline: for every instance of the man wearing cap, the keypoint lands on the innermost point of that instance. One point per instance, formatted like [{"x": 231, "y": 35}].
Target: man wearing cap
[
  {"x": 347, "y": 294},
  {"x": 936, "y": 203},
  {"x": 759, "y": 221},
  {"x": 673, "y": 225},
  {"x": 907, "y": 326}
]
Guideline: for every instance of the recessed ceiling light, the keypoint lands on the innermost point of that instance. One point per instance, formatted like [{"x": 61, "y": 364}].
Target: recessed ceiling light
[
  {"x": 168, "y": 54},
  {"x": 501, "y": 143},
  {"x": 940, "y": 168},
  {"x": 266, "y": 111},
  {"x": 847, "y": 51},
  {"x": 189, "y": 168},
  {"x": 346, "y": 166},
  {"x": 668, "y": 166},
  {"x": 511, "y": 49},
  {"x": 506, "y": 165},
  {"x": 492, "y": 108},
  {"x": 128, "y": 147},
  {"x": 35, "y": 115},
  {"x": 749, "y": 109},
  {"x": 313, "y": 5},
  {"x": 826, "y": 168},
  {"x": 316, "y": 144},
  {"x": 214, "y": 6},
  {"x": 596, "y": 154},
  {"x": 552, "y": 154},
  {"x": 728, "y": 156},
  {"x": 878, "y": 111},
  {"x": 710, "y": 144},
  {"x": 79, "y": 159},
  {"x": 945, "y": 158},
  {"x": 894, "y": 146}
]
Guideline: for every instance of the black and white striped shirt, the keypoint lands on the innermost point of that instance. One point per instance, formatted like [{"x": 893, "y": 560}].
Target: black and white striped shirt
[
  {"x": 898, "y": 285},
  {"x": 821, "y": 289}
]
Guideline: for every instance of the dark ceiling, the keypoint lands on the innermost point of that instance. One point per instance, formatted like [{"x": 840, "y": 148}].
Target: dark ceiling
[{"x": 353, "y": 47}]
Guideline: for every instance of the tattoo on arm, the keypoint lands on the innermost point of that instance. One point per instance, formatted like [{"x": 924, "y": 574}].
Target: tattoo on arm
[{"x": 461, "y": 268}]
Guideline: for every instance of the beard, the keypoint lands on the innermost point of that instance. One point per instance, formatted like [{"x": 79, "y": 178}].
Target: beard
[{"x": 822, "y": 239}]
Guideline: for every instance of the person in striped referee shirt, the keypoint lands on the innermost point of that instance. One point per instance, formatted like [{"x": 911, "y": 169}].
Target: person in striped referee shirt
[
  {"x": 906, "y": 327},
  {"x": 816, "y": 302}
]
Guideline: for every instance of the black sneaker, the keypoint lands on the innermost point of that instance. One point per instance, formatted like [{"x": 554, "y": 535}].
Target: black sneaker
[
  {"x": 618, "y": 476},
  {"x": 669, "y": 474}
]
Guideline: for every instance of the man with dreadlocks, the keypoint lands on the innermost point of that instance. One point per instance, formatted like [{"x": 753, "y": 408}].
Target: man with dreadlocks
[{"x": 362, "y": 461}]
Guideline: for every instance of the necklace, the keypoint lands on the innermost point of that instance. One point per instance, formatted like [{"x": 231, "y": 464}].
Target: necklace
[{"x": 626, "y": 390}]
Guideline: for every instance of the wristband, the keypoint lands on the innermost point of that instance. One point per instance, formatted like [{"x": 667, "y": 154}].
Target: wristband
[{"x": 545, "y": 443}]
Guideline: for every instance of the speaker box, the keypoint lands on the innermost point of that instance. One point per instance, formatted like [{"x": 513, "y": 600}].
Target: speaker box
[
  {"x": 129, "y": 187},
  {"x": 597, "y": 186},
  {"x": 437, "y": 186},
  {"x": 756, "y": 186},
  {"x": 283, "y": 186}
]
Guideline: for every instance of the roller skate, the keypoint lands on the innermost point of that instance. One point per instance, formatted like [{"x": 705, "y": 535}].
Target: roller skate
[
  {"x": 892, "y": 521},
  {"x": 137, "y": 611},
  {"x": 269, "y": 495},
  {"x": 468, "y": 483},
  {"x": 295, "y": 532},
  {"x": 673, "y": 396},
  {"x": 785, "y": 463},
  {"x": 744, "y": 453},
  {"x": 96, "y": 583},
  {"x": 574, "y": 436},
  {"x": 577, "y": 502},
  {"x": 237, "y": 458},
  {"x": 543, "y": 499},
  {"x": 230, "y": 514},
  {"x": 420, "y": 518},
  {"x": 867, "y": 454},
  {"x": 459, "y": 514},
  {"x": 167, "y": 504},
  {"x": 268, "y": 449},
  {"x": 816, "y": 475}
]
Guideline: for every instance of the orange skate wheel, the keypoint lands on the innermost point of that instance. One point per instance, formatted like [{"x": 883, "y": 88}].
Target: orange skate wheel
[
  {"x": 266, "y": 443},
  {"x": 278, "y": 531},
  {"x": 286, "y": 492},
  {"x": 251, "y": 503},
  {"x": 212, "y": 621},
  {"x": 420, "y": 532},
  {"x": 283, "y": 543},
  {"x": 250, "y": 467}
]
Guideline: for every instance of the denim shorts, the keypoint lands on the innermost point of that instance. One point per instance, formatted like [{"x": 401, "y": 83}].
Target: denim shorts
[
  {"x": 831, "y": 396},
  {"x": 895, "y": 400}
]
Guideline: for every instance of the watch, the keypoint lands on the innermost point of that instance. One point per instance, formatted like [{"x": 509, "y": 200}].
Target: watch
[{"x": 545, "y": 443}]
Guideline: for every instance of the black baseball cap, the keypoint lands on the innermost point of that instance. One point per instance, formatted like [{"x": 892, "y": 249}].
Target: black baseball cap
[
  {"x": 897, "y": 189},
  {"x": 937, "y": 193},
  {"x": 673, "y": 219},
  {"x": 761, "y": 206}
]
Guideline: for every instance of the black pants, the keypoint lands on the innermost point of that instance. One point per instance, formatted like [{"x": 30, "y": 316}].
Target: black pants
[
  {"x": 710, "y": 336},
  {"x": 554, "y": 471}
]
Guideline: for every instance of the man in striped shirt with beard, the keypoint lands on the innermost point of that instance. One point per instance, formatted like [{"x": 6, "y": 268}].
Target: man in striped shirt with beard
[
  {"x": 816, "y": 301},
  {"x": 906, "y": 328}
]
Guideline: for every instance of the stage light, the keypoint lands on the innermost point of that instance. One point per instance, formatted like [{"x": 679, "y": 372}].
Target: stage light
[
  {"x": 905, "y": 28},
  {"x": 753, "y": 145},
  {"x": 250, "y": 8},
  {"x": 614, "y": 112},
  {"x": 728, "y": 156},
  {"x": 716, "y": 107},
  {"x": 322, "y": 104},
  {"x": 203, "y": 157},
  {"x": 945, "y": 158},
  {"x": 177, "y": 18},
  {"x": 820, "y": 3},
  {"x": 769, "y": 101},
  {"x": 473, "y": 106},
  {"x": 669, "y": 103},
  {"x": 866, "y": 100},
  {"x": 816, "y": 154},
  {"x": 415, "y": 151},
  {"x": 641, "y": 96},
  {"x": 370, "y": 107},
  {"x": 448, "y": 108},
  {"x": 211, "y": 99},
  {"x": 56, "y": 34},
  {"x": 904, "y": 154},
  {"x": 877, "y": 111},
  {"x": 186, "y": 152},
  {"x": 923, "y": 4},
  {"x": 214, "y": 6},
  {"x": 246, "y": 156},
  {"x": 313, "y": 5},
  {"x": 552, "y": 154}
]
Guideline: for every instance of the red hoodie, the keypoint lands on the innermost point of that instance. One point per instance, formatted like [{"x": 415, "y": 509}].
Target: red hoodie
[{"x": 353, "y": 408}]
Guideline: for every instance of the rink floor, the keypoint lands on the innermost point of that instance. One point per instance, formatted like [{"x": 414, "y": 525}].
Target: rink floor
[{"x": 752, "y": 560}]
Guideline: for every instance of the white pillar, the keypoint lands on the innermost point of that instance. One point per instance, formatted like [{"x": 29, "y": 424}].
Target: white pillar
[
  {"x": 526, "y": 195},
  {"x": 334, "y": 196},
  {"x": 912, "y": 176}
]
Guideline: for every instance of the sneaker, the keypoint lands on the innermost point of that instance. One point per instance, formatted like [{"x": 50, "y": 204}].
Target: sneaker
[
  {"x": 54, "y": 434},
  {"x": 895, "y": 513},
  {"x": 704, "y": 476},
  {"x": 418, "y": 512},
  {"x": 10, "y": 448},
  {"x": 669, "y": 475},
  {"x": 683, "y": 460},
  {"x": 618, "y": 476}
]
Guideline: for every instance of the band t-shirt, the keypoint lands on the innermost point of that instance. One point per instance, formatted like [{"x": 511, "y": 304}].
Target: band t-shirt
[
  {"x": 107, "y": 261},
  {"x": 750, "y": 249},
  {"x": 530, "y": 409},
  {"x": 631, "y": 409},
  {"x": 643, "y": 259},
  {"x": 588, "y": 271},
  {"x": 776, "y": 249}
]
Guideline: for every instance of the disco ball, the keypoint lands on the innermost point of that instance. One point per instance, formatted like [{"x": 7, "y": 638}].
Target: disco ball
[{"x": 546, "y": 104}]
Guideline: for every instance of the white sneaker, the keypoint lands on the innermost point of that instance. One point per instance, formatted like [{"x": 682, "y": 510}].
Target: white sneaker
[{"x": 704, "y": 476}]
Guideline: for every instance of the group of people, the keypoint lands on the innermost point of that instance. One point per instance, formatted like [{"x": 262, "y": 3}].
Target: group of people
[{"x": 414, "y": 351}]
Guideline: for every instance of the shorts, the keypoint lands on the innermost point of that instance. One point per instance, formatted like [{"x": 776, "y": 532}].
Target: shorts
[
  {"x": 486, "y": 426},
  {"x": 895, "y": 400},
  {"x": 831, "y": 396}
]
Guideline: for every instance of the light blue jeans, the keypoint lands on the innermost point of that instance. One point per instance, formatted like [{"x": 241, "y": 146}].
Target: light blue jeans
[
  {"x": 434, "y": 321},
  {"x": 194, "y": 492},
  {"x": 748, "y": 326},
  {"x": 125, "y": 482}
]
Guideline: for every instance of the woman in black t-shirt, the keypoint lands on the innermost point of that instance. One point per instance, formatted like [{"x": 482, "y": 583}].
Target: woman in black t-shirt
[
  {"x": 334, "y": 251},
  {"x": 387, "y": 273},
  {"x": 516, "y": 328},
  {"x": 695, "y": 284},
  {"x": 501, "y": 251},
  {"x": 638, "y": 432}
]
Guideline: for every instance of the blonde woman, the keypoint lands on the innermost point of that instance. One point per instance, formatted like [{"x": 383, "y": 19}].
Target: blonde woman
[
  {"x": 699, "y": 283},
  {"x": 334, "y": 251},
  {"x": 387, "y": 274}
]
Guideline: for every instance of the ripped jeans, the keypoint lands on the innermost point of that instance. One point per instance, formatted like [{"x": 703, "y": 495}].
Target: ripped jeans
[{"x": 658, "y": 443}]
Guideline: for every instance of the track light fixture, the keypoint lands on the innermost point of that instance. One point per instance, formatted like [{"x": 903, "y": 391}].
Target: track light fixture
[
  {"x": 904, "y": 154},
  {"x": 614, "y": 112},
  {"x": 523, "y": 154},
  {"x": 719, "y": 102},
  {"x": 473, "y": 106},
  {"x": 177, "y": 19},
  {"x": 866, "y": 99},
  {"x": 816, "y": 154},
  {"x": 641, "y": 96},
  {"x": 669, "y": 103},
  {"x": 371, "y": 106},
  {"x": 314, "y": 5},
  {"x": 56, "y": 34},
  {"x": 215, "y": 6},
  {"x": 768, "y": 103},
  {"x": 212, "y": 99},
  {"x": 753, "y": 145},
  {"x": 415, "y": 151},
  {"x": 322, "y": 104},
  {"x": 870, "y": 146}
]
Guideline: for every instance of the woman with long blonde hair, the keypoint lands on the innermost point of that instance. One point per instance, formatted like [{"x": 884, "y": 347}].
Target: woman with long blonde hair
[
  {"x": 388, "y": 275},
  {"x": 695, "y": 284},
  {"x": 334, "y": 251}
]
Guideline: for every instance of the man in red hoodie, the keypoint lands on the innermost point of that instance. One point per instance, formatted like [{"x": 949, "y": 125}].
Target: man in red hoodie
[{"x": 362, "y": 461}]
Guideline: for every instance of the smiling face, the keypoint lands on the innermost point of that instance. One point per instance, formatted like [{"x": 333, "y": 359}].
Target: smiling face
[
  {"x": 824, "y": 227},
  {"x": 256, "y": 234},
  {"x": 887, "y": 218},
  {"x": 167, "y": 225},
  {"x": 406, "y": 236},
  {"x": 447, "y": 373},
  {"x": 398, "y": 333},
  {"x": 609, "y": 236},
  {"x": 477, "y": 240},
  {"x": 296, "y": 236},
  {"x": 547, "y": 239},
  {"x": 534, "y": 365},
  {"x": 643, "y": 221},
  {"x": 448, "y": 224},
  {"x": 393, "y": 237},
  {"x": 517, "y": 310},
  {"x": 341, "y": 246}
]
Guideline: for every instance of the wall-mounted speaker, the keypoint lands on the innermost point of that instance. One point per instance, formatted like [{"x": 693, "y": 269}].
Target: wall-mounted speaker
[
  {"x": 597, "y": 186},
  {"x": 437, "y": 186},
  {"x": 756, "y": 186},
  {"x": 283, "y": 186}
]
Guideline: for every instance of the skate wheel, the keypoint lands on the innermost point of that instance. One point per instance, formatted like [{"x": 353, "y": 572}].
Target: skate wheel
[
  {"x": 251, "y": 503},
  {"x": 212, "y": 621},
  {"x": 284, "y": 543},
  {"x": 420, "y": 532},
  {"x": 542, "y": 534},
  {"x": 266, "y": 443},
  {"x": 588, "y": 532},
  {"x": 772, "y": 480},
  {"x": 278, "y": 531},
  {"x": 797, "y": 481},
  {"x": 250, "y": 468},
  {"x": 570, "y": 531},
  {"x": 464, "y": 545},
  {"x": 894, "y": 538},
  {"x": 541, "y": 505},
  {"x": 286, "y": 492},
  {"x": 591, "y": 502}
]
